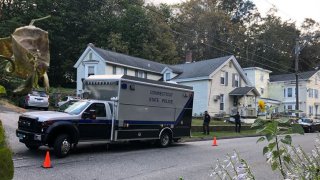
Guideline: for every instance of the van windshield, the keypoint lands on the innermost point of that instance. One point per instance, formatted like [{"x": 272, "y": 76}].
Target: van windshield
[{"x": 77, "y": 107}]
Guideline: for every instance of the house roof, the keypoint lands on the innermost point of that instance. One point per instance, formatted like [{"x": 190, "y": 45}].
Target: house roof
[
  {"x": 118, "y": 58},
  {"x": 240, "y": 91},
  {"x": 200, "y": 68},
  {"x": 291, "y": 77}
]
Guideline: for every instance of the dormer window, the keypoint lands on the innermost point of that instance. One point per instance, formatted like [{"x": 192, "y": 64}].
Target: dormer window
[{"x": 167, "y": 76}]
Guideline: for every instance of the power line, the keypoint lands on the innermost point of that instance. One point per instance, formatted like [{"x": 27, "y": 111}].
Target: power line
[
  {"x": 246, "y": 59},
  {"x": 224, "y": 42}
]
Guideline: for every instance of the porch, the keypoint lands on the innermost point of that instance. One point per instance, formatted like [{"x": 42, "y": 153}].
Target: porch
[{"x": 244, "y": 101}]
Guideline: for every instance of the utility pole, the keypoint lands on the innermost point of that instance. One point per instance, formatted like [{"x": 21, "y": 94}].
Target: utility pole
[{"x": 297, "y": 52}]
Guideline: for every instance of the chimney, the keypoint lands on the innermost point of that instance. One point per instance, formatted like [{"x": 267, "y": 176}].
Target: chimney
[
  {"x": 189, "y": 56},
  {"x": 91, "y": 44}
]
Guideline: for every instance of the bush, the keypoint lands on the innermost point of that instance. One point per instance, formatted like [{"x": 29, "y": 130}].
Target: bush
[{"x": 6, "y": 163}]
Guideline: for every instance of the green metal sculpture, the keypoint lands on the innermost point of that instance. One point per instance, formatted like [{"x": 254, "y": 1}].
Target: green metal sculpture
[{"x": 27, "y": 53}]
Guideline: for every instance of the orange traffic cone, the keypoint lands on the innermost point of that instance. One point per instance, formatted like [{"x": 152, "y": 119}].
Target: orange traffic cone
[
  {"x": 214, "y": 143},
  {"x": 47, "y": 162}
]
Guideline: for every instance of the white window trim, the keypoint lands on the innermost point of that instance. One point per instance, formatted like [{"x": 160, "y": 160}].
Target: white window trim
[
  {"x": 223, "y": 74},
  {"x": 86, "y": 68},
  {"x": 292, "y": 93},
  {"x": 236, "y": 79}
]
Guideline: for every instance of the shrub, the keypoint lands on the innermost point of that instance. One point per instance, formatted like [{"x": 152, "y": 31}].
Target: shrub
[{"x": 6, "y": 163}]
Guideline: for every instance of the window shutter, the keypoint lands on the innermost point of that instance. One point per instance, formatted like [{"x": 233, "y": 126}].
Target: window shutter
[
  {"x": 226, "y": 80},
  {"x": 233, "y": 80},
  {"x": 239, "y": 81},
  {"x": 146, "y": 75},
  {"x": 136, "y": 73}
]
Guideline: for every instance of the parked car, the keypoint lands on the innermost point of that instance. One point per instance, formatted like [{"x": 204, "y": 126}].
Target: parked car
[
  {"x": 66, "y": 99},
  {"x": 309, "y": 125},
  {"x": 232, "y": 120},
  {"x": 35, "y": 99}
]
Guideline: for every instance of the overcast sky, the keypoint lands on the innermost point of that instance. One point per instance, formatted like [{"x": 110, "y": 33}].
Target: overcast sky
[{"x": 296, "y": 10}]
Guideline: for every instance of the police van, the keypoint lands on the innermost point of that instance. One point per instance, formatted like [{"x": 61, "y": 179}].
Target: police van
[{"x": 114, "y": 108}]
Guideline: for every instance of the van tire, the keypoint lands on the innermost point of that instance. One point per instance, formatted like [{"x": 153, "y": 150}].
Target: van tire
[
  {"x": 62, "y": 146},
  {"x": 165, "y": 139}
]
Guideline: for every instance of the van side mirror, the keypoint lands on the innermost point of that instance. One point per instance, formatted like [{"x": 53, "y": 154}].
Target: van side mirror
[{"x": 89, "y": 115}]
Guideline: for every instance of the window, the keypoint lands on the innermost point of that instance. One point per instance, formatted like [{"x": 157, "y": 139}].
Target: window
[
  {"x": 262, "y": 90},
  {"x": 125, "y": 71},
  {"x": 289, "y": 92},
  {"x": 114, "y": 69},
  {"x": 140, "y": 74},
  {"x": 289, "y": 107},
  {"x": 310, "y": 110},
  {"x": 90, "y": 70},
  {"x": 246, "y": 74},
  {"x": 99, "y": 108},
  {"x": 316, "y": 93},
  {"x": 90, "y": 56},
  {"x": 261, "y": 77},
  {"x": 221, "y": 102},
  {"x": 235, "y": 80},
  {"x": 224, "y": 78},
  {"x": 310, "y": 93},
  {"x": 167, "y": 76}
]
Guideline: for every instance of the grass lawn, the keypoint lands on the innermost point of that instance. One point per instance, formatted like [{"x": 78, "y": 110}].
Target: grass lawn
[
  {"x": 222, "y": 134},
  {"x": 199, "y": 122}
]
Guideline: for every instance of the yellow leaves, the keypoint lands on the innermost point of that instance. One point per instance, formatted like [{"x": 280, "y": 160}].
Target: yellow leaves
[{"x": 261, "y": 106}]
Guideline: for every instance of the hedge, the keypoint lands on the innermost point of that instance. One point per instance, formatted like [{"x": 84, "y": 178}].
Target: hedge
[{"x": 6, "y": 163}]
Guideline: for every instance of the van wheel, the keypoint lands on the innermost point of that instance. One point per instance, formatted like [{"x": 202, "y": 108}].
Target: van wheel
[
  {"x": 165, "y": 139},
  {"x": 62, "y": 146},
  {"x": 32, "y": 146}
]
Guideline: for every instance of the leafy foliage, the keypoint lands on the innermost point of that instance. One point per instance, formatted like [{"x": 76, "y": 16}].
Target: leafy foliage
[{"x": 163, "y": 33}]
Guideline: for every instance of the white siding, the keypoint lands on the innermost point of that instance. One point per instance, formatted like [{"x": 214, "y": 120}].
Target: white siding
[
  {"x": 200, "y": 100},
  {"x": 89, "y": 58},
  {"x": 217, "y": 88}
]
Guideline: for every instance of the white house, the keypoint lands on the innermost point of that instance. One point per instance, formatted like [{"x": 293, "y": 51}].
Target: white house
[
  {"x": 219, "y": 84},
  {"x": 283, "y": 88}
]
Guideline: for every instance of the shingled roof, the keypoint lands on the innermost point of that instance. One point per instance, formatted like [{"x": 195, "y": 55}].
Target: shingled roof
[
  {"x": 291, "y": 77},
  {"x": 118, "y": 58},
  {"x": 200, "y": 68},
  {"x": 241, "y": 91}
]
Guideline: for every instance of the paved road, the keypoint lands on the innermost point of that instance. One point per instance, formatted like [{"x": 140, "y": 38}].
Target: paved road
[{"x": 192, "y": 160}]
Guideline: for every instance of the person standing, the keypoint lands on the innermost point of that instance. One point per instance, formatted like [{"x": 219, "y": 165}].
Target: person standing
[
  {"x": 206, "y": 122},
  {"x": 237, "y": 122}
]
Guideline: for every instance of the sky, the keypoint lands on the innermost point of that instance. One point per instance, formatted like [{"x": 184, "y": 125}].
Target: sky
[{"x": 296, "y": 10}]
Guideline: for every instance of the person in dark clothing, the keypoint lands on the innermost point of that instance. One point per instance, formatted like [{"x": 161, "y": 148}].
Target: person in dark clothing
[
  {"x": 206, "y": 122},
  {"x": 237, "y": 122}
]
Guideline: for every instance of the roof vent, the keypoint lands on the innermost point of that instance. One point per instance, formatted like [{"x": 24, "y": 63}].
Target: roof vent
[{"x": 149, "y": 65}]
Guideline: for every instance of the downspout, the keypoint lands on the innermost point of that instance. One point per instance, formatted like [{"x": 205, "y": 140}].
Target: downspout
[{"x": 209, "y": 99}]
